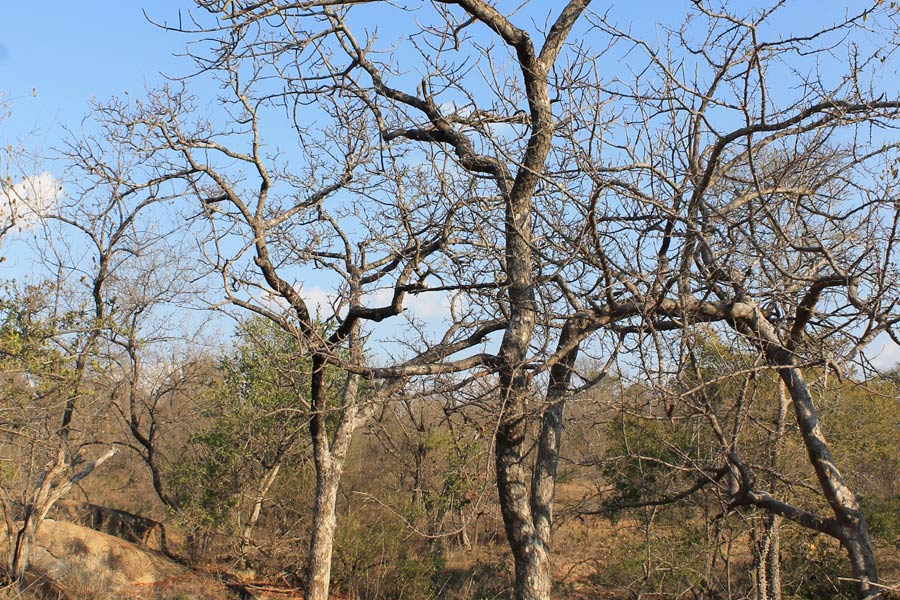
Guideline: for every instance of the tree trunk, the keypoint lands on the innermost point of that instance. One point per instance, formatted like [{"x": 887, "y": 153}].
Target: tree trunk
[
  {"x": 262, "y": 491},
  {"x": 531, "y": 555},
  {"x": 853, "y": 532},
  {"x": 863, "y": 567},
  {"x": 328, "y": 457},
  {"x": 528, "y": 519},
  {"x": 318, "y": 565},
  {"x": 773, "y": 560},
  {"x": 849, "y": 523},
  {"x": 768, "y": 563},
  {"x": 324, "y": 523},
  {"x": 54, "y": 485},
  {"x": 533, "y": 580}
]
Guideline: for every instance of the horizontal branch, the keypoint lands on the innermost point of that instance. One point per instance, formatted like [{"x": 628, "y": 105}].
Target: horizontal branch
[{"x": 703, "y": 481}]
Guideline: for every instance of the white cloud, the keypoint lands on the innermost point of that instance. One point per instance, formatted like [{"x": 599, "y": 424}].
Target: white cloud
[
  {"x": 23, "y": 204},
  {"x": 427, "y": 306},
  {"x": 887, "y": 356},
  {"x": 319, "y": 302},
  {"x": 380, "y": 297}
]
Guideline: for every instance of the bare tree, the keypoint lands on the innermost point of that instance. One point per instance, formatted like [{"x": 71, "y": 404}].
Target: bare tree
[
  {"x": 358, "y": 237},
  {"x": 581, "y": 200},
  {"x": 418, "y": 117},
  {"x": 762, "y": 209},
  {"x": 87, "y": 242}
]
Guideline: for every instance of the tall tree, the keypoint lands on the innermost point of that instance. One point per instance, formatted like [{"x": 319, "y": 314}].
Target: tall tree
[
  {"x": 760, "y": 208},
  {"x": 573, "y": 185},
  {"x": 342, "y": 66},
  {"x": 324, "y": 243},
  {"x": 88, "y": 240}
]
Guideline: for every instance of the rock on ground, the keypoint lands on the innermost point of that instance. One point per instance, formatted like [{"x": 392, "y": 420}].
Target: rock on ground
[{"x": 76, "y": 563}]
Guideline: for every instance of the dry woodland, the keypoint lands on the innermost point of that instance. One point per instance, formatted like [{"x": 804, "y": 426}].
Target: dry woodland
[{"x": 464, "y": 299}]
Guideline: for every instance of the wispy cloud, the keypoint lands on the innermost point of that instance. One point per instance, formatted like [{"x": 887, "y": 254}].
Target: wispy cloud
[
  {"x": 322, "y": 302},
  {"x": 425, "y": 305},
  {"x": 23, "y": 204},
  {"x": 887, "y": 356},
  {"x": 319, "y": 302}
]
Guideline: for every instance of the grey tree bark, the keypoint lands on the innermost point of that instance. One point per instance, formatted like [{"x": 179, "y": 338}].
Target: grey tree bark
[
  {"x": 848, "y": 523},
  {"x": 54, "y": 484},
  {"x": 527, "y": 520}
]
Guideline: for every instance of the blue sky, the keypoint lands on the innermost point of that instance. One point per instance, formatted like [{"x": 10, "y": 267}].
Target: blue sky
[
  {"x": 56, "y": 56},
  {"x": 68, "y": 52}
]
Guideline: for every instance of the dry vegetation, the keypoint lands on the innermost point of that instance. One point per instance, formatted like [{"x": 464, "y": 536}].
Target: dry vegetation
[{"x": 502, "y": 302}]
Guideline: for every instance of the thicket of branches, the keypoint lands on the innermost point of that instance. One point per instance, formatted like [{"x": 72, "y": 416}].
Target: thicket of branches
[{"x": 444, "y": 236}]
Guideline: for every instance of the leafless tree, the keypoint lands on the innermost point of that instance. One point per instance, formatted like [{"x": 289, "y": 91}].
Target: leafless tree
[
  {"x": 336, "y": 64},
  {"x": 335, "y": 220},
  {"x": 768, "y": 210},
  {"x": 87, "y": 243},
  {"x": 578, "y": 188}
]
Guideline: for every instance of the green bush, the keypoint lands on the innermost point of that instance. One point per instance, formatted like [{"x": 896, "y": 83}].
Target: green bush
[{"x": 882, "y": 517}]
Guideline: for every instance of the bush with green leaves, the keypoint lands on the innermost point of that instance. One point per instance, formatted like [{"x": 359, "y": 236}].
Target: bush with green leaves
[{"x": 253, "y": 419}]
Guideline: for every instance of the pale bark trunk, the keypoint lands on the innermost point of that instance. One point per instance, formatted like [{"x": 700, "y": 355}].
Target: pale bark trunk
[
  {"x": 262, "y": 492},
  {"x": 58, "y": 478},
  {"x": 773, "y": 560},
  {"x": 329, "y": 468},
  {"x": 322, "y": 541},
  {"x": 849, "y": 525},
  {"x": 328, "y": 457},
  {"x": 543, "y": 481},
  {"x": 852, "y": 530},
  {"x": 863, "y": 567},
  {"x": 768, "y": 563},
  {"x": 530, "y": 549},
  {"x": 54, "y": 485},
  {"x": 527, "y": 518},
  {"x": 530, "y": 553},
  {"x": 533, "y": 580},
  {"x": 318, "y": 567}
]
